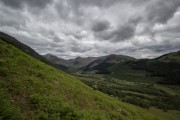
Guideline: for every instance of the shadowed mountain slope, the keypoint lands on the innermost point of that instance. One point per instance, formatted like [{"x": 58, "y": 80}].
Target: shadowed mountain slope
[{"x": 70, "y": 65}]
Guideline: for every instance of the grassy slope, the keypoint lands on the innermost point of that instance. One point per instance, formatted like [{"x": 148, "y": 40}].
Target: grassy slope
[
  {"x": 169, "y": 115},
  {"x": 30, "y": 89}
]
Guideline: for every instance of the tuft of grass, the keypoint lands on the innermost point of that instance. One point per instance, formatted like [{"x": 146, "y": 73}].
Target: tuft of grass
[{"x": 7, "y": 110}]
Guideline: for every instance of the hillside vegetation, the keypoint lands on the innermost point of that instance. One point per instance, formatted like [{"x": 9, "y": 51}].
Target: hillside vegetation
[
  {"x": 30, "y": 89},
  {"x": 166, "y": 66},
  {"x": 164, "y": 69},
  {"x": 140, "y": 93}
]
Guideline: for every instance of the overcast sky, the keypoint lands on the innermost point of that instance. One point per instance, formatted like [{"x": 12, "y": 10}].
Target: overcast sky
[{"x": 71, "y": 28}]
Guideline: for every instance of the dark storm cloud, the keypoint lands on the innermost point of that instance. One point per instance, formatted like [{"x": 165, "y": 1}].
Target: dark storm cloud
[
  {"x": 101, "y": 3},
  {"x": 56, "y": 39},
  {"x": 165, "y": 47},
  {"x": 118, "y": 34},
  {"x": 11, "y": 18},
  {"x": 52, "y": 35},
  {"x": 80, "y": 49},
  {"x": 100, "y": 25},
  {"x": 124, "y": 32},
  {"x": 77, "y": 35},
  {"x": 71, "y": 9},
  {"x": 161, "y": 11},
  {"x": 60, "y": 50},
  {"x": 13, "y": 3},
  {"x": 20, "y": 3}
]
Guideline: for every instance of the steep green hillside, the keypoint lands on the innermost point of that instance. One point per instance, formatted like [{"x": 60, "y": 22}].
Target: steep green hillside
[{"x": 30, "y": 89}]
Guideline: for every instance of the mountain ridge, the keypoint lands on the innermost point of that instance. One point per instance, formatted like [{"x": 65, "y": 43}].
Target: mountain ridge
[
  {"x": 84, "y": 62},
  {"x": 13, "y": 41}
]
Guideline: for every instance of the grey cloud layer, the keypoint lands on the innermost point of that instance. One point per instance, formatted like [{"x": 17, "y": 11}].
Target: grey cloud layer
[
  {"x": 161, "y": 11},
  {"x": 70, "y": 28},
  {"x": 20, "y": 3}
]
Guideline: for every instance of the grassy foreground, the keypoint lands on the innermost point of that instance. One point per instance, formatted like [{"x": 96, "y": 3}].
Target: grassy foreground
[{"x": 31, "y": 90}]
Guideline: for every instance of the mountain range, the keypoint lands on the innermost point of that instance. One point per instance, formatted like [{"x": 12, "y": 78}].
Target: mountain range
[
  {"x": 87, "y": 62},
  {"x": 71, "y": 64},
  {"x": 166, "y": 66}
]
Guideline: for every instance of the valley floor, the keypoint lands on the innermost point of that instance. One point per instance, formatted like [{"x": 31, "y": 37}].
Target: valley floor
[{"x": 161, "y": 100}]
